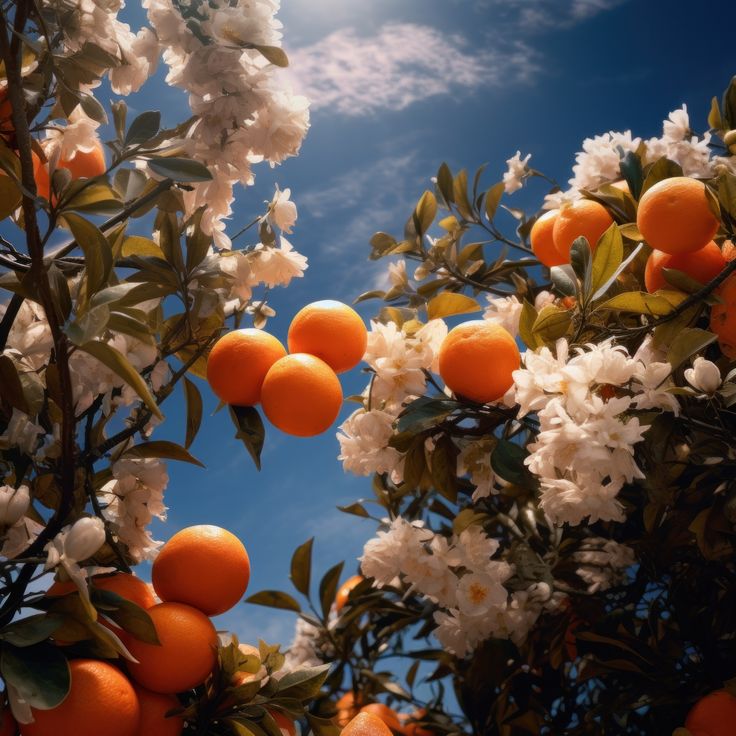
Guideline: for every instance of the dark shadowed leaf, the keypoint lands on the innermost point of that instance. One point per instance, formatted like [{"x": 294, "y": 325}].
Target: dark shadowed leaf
[
  {"x": 686, "y": 343},
  {"x": 180, "y": 169},
  {"x": 194, "y": 411},
  {"x": 164, "y": 449},
  {"x": 251, "y": 431},
  {"x": 31, "y": 630},
  {"x": 143, "y": 128},
  {"x": 274, "y": 599},
  {"x": 40, "y": 673},
  {"x": 301, "y": 567},
  {"x": 507, "y": 461},
  {"x": 328, "y": 587},
  {"x": 303, "y": 684}
]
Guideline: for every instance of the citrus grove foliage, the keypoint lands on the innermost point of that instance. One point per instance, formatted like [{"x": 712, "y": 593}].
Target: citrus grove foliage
[
  {"x": 556, "y": 528},
  {"x": 118, "y": 276}
]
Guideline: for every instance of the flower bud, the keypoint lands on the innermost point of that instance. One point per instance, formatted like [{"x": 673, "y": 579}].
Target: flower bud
[
  {"x": 85, "y": 537},
  {"x": 704, "y": 376},
  {"x": 13, "y": 504}
]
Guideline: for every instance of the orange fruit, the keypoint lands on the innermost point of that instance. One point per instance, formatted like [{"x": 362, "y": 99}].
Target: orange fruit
[
  {"x": 674, "y": 215},
  {"x": 238, "y": 363},
  {"x": 332, "y": 331},
  {"x": 713, "y": 715},
  {"x": 543, "y": 243},
  {"x": 366, "y": 724},
  {"x": 386, "y": 714},
  {"x": 477, "y": 359},
  {"x": 301, "y": 395},
  {"x": 154, "y": 707},
  {"x": 187, "y": 652},
  {"x": 729, "y": 250},
  {"x": 702, "y": 265},
  {"x": 101, "y": 701},
  {"x": 205, "y": 567},
  {"x": 86, "y": 164},
  {"x": 8, "y": 724},
  {"x": 348, "y": 706},
  {"x": 287, "y": 726},
  {"x": 569, "y": 302},
  {"x": 581, "y": 218},
  {"x": 345, "y": 589},
  {"x": 126, "y": 585},
  {"x": 723, "y": 316}
]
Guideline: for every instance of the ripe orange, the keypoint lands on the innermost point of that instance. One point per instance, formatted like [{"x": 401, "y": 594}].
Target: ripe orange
[
  {"x": 332, "y": 331},
  {"x": 366, "y": 724},
  {"x": 674, "y": 215},
  {"x": 713, "y": 715},
  {"x": 187, "y": 652},
  {"x": 101, "y": 701},
  {"x": 348, "y": 706},
  {"x": 345, "y": 589},
  {"x": 8, "y": 725},
  {"x": 125, "y": 584},
  {"x": 581, "y": 218},
  {"x": 543, "y": 243},
  {"x": 729, "y": 250},
  {"x": 477, "y": 359},
  {"x": 154, "y": 707},
  {"x": 386, "y": 714},
  {"x": 702, "y": 265},
  {"x": 203, "y": 566},
  {"x": 301, "y": 395},
  {"x": 287, "y": 726},
  {"x": 86, "y": 164},
  {"x": 723, "y": 316},
  {"x": 238, "y": 363}
]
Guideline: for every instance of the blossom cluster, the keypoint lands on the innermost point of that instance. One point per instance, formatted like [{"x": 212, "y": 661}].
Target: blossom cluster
[
  {"x": 460, "y": 577},
  {"x": 584, "y": 451}
]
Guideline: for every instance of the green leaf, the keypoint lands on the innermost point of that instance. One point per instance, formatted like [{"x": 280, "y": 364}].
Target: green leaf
[
  {"x": 552, "y": 323},
  {"x": 10, "y": 196},
  {"x": 194, "y": 411},
  {"x": 328, "y": 588},
  {"x": 96, "y": 249},
  {"x": 303, "y": 684},
  {"x": 443, "y": 467},
  {"x": 251, "y": 431},
  {"x": 659, "y": 171},
  {"x": 356, "y": 509},
  {"x": 274, "y": 599},
  {"x": 164, "y": 449},
  {"x": 632, "y": 172},
  {"x": 681, "y": 281},
  {"x": 126, "y": 614},
  {"x": 135, "y": 245},
  {"x": 715, "y": 121},
  {"x": 493, "y": 199},
  {"x": 444, "y": 183},
  {"x": 40, "y": 673},
  {"x": 581, "y": 262},
  {"x": 460, "y": 195},
  {"x": 564, "y": 279},
  {"x": 322, "y": 726},
  {"x": 301, "y": 567},
  {"x": 607, "y": 285},
  {"x": 526, "y": 323},
  {"x": 277, "y": 56},
  {"x": 143, "y": 128},
  {"x": 424, "y": 412},
  {"x": 97, "y": 198},
  {"x": 32, "y": 630},
  {"x": 449, "y": 303},
  {"x": 507, "y": 461},
  {"x": 425, "y": 212},
  {"x": 688, "y": 342},
  {"x": 119, "y": 364},
  {"x": 607, "y": 257},
  {"x": 180, "y": 169},
  {"x": 658, "y": 305}
]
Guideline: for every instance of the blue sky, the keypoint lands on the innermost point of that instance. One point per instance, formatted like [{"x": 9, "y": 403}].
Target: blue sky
[{"x": 397, "y": 88}]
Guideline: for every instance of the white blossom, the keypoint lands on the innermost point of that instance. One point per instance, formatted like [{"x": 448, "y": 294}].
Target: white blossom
[
  {"x": 504, "y": 311},
  {"x": 282, "y": 211},
  {"x": 364, "y": 438},
  {"x": 278, "y": 266},
  {"x": 475, "y": 460},
  {"x": 517, "y": 168},
  {"x": 603, "y": 563},
  {"x": 14, "y": 503},
  {"x": 704, "y": 376},
  {"x": 600, "y": 160}
]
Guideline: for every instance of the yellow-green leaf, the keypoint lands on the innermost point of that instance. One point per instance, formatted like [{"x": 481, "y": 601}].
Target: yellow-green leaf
[
  {"x": 659, "y": 304},
  {"x": 10, "y": 196},
  {"x": 135, "y": 245},
  {"x": 607, "y": 257},
  {"x": 551, "y": 323},
  {"x": 447, "y": 304}
]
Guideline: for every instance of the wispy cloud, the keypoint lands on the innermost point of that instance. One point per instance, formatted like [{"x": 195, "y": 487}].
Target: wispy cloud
[
  {"x": 401, "y": 64},
  {"x": 540, "y": 15}
]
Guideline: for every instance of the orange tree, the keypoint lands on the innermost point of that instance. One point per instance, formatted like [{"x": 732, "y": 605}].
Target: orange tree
[
  {"x": 119, "y": 275},
  {"x": 555, "y": 542}
]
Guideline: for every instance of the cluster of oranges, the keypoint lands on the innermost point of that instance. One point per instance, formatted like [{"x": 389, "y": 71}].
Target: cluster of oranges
[
  {"x": 299, "y": 392},
  {"x": 677, "y": 220},
  {"x": 83, "y": 165},
  {"x": 141, "y": 699}
]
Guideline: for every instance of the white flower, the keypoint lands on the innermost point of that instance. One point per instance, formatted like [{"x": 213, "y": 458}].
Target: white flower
[
  {"x": 677, "y": 127},
  {"x": 603, "y": 563},
  {"x": 568, "y": 501},
  {"x": 504, "y": 311},
  {"x": 83, "y": 539},
  {"x": 22, "y": 433},
  {"x": 475, "y": 460},
  {"x": 475, "y": 548},
  {"x": 704, "y": 376},
  {"x": 651, "y": 382},
  {"x": 19, "y": 537},
  {"x": 517, "y": 170},
  {"x": 133, "y": 499},
  {"x": 543, "y": 299},
  {"x": 282, "y": 211},
  {"x": 555, "y": 200},
  {"x": 364, "y": 438},
  {"x": 303, "y": 651},
  {"x": 278, "y": 266},
  {"x": 14, "y": 503},
  {"x": 397, "y": 274},
  {"x": 600, "y": 160},
  {"x": 478, "y": 592},
  {"x": 141, "y": 60}
]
